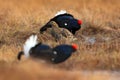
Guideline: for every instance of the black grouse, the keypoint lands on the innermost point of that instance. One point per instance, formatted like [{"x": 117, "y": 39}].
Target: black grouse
[
  {"x": 64, "y": 20},
  {"x": 37, "y": 50}
]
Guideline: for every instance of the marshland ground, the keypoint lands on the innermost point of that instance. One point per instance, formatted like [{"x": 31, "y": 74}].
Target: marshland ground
[{"x": 98, "y": 56}]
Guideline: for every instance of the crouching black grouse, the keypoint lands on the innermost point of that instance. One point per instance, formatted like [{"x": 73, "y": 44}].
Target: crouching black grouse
[
  {"x": 37, "y": 50},
  {"x": 64, "y": 20}
]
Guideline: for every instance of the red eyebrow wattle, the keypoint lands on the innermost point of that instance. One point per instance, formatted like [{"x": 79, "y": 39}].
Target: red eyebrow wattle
[{"x": 80, "y": 22}]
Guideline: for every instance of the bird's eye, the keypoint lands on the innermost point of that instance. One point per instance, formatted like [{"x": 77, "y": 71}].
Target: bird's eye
[{"x": 65, "y": 24}]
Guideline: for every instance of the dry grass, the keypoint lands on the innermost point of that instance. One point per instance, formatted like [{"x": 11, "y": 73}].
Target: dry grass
[
  {"x": 33, "y": 70},
  {"x": 101, "y": 22}
]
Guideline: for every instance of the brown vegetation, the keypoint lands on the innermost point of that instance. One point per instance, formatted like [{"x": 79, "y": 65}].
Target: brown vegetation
[{"x": 101, "y": 23}]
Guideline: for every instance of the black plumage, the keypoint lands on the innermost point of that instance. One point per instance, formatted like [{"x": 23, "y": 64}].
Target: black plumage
[
  {"x": 66, "y": 21},
  {"x": 63, "y": 52},
  {"x": 55, "y": 55}
]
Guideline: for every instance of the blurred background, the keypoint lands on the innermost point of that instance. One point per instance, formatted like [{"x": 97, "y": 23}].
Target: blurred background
[{"x": 98, "y": 56}]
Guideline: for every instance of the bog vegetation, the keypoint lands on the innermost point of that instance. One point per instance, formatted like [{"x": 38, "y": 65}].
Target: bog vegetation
[{"x": 98, "y": 39}]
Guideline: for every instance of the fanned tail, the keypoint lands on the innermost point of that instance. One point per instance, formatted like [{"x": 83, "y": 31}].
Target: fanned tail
[{"x": 30, "y": 42}]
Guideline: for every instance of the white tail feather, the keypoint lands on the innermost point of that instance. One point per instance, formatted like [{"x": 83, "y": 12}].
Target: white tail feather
[
  {"x": 61, "y": 12},
  {"x": 30, "y": 42}
]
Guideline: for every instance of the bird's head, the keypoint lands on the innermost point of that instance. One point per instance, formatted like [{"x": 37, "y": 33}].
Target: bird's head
[
  {"x": 66, "y": 20},
  {"x": 63, "y": 52},
  {"x": 66, "y": 49}
]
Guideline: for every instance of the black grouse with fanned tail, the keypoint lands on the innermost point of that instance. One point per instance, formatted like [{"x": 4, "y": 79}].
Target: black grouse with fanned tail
[
  {"x": 64, "y": 20},
  {"x": 56, "y": 55}
]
